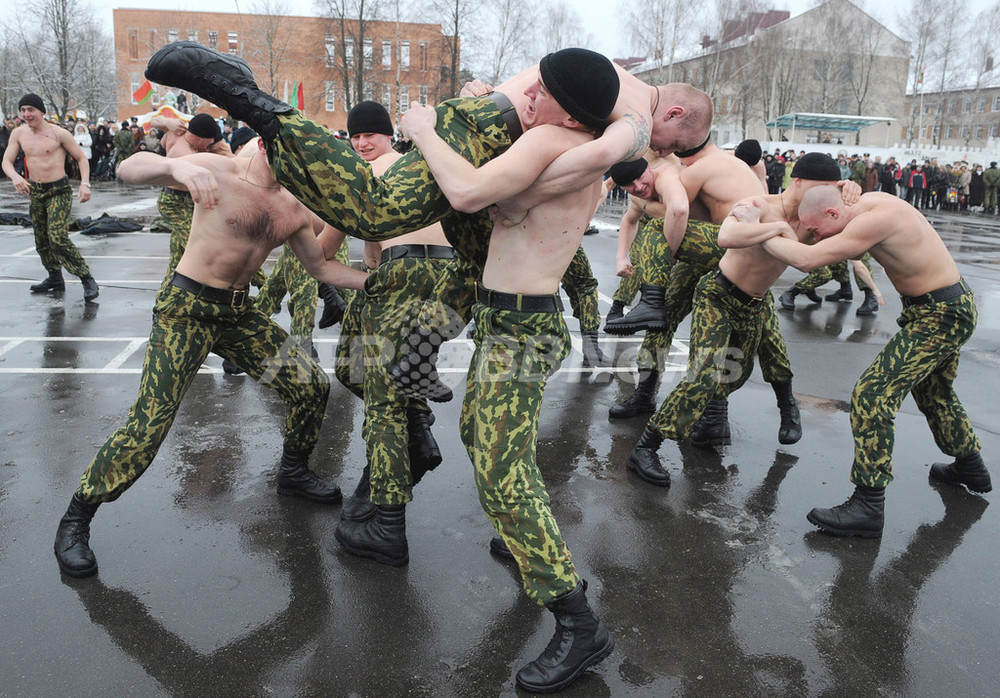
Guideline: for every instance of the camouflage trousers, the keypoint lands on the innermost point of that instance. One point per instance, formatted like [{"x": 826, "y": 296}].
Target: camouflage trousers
[
  {"x": 516, "y": 352},
  {"x": 581, "y": 286},
  {"x": 185, "y": 329},
  {"x": 920, "y": 359},
  {"x": 325, "y": 174},
  {"x": 349, "y": 358},
  {"x": 176, "y": 209},
  {"x": 50, "y": 206},
  {"x": 642, "y": 255},
  {"x": 289, "y": 276},
  {"x": 833, "y": 272},
  {"x": 394, "y": 294},
  {"x": 725, "y": 335},
  {"x": 990, "y": 198}
]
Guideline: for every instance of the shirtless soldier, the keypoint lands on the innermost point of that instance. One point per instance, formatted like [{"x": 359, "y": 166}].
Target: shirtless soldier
[
  {"x": 45, "y": 148},
  {"x": 205, "y": 307},
  {"x": 939, "y": 316}
]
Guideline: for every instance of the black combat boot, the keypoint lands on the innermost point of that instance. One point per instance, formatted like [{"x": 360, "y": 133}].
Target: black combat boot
[
  {"x": 72, "y": 544},
  {"x": 230, "y": 368},
  {"x": 787, "y": 299},
  {"x": 90, "y": 289},
  {"x": 54, "y": 283},
  {"x": 296, "y": 479},
  {"x": 223, "y": 79},
  {"x": 424, "y": 452},
  {"x": 646, "y": 315},
  {"x": 617, "y": 311},
  {"x": 712, "y": 429},
  {"x": 644, "y": 461},
  {"x": 499, "y": 548},
  {"x": 415, "y": 374},
  {"x": 966, "y": 470},
  {"x": 870, "y": 305},
  {"x": 358, "y": 507},
  {"x": 813, "y": 296},
  {"x": 334, "y": 305},
  {"x": 382, "y": 537},
  {"x": 844, "y": 294},
  {"x": 641, "y": 401},
  {"x": 580, "y": 641},
  {"x": 861, "y": 515},
  {"x": 593, "y": 357},
  {"x": 790, "y": 430}
]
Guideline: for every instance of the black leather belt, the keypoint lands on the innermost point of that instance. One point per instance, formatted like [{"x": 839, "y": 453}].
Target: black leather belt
[
  {"x": 938, "y": 296},
  {"x": 176, "y": 192},
  {"x": 425, "y": 251},
  {"x": 222, "y": 296},
  {"x": 735, "y": 291},
  {"x": 518, "y": 301},
  {"x": 50, "y": 185},
  {"x": 508, "y": 113}
]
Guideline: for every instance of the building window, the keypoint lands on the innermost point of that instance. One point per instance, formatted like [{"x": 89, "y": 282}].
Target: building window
[
  {"x": 949, "y": 132},
  {"x": 981, "y": 105},
  {"x": 996, "y": 103},
  {"x": 963, "y": 132},
  {"x": 172, "y": 35},
  {"x": 134, "y": 82},
  {"x": 819, "y": 70},
  {"x": 331, "y": 95},
  {"x": 404, "y": 98},
  {"x": 994, "y": 130},
  {"x": 404, "y": 54},
  {"x": 846, "y": 71},
  {"x": 387, "y": 97},
  {"x": 386, "y": 54},
  {"x": 133, "y": 44},
  {"x": 369, "y": 52},
  {"x": 234, "y": 43},
  {"x": 152, "y": 39},
  {"x": 348, "y": 51},
  {"x": 979, "y": 131},
  {"x": 331, "y": 51},
  {"x": 953, "y": 106},
  {"x": 966, "y": 105},
  {"x": 423, "y": 58},
  {"x": 213, "y": 40},
  {"x": 423, "y": 94},
  {"x": 193, "y": 35}
]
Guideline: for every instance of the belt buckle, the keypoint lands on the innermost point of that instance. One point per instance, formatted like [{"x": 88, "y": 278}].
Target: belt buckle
[{"x": 239, "y": 298}]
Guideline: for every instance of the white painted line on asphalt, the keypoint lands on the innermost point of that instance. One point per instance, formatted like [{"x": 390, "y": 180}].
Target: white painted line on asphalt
[
  {"x": 125, "y": 353},
  {"x": 10, "y": 345}
]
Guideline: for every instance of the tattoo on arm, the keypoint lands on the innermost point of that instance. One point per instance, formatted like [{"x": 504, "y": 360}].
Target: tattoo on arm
[{"x": 640, "y": 140}]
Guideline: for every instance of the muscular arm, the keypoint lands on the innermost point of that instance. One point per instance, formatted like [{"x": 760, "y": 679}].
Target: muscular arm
[
  {"x": 627, "y": 230},
  {"x": 743, "y": 228},
  {"x": 678, "y": 206},
  {"x": 470, "y": 189},
  {"x": 76, "y": 152},
  {"x": 309, "y": 251},
  {"x": 330, "y": 239},
  {"x": 9, "y": 155},
  {"x": 849, "y": 244},
  {"x": 150, "y": 168}
]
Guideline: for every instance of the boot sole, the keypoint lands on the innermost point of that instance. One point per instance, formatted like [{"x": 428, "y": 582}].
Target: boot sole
[
  {"x": 633, "y": 328},
  {"x": 371, "y": 554},
  {"x": 959, "y": 483},
  {"x": 336, "y": 498},
  {"x": 841, "y": 531},
  {"x": 595, "y": 658},
  {"x": 641, "y": 474},
  {"x": 630, "y": 413}
]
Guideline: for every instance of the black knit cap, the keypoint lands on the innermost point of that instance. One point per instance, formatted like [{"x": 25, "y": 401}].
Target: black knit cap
[
  {"x": 818, "y": 167},
  {"x": 369, "y": 117},
  {"x": 32, "y": 100},
  {"x": 583, "y": 82},
  {"x": 205, "y": 126},
  {"x": 241, "y": 136},
  {"x": 748, "y": 151},
  {"x": 624, "y": 173}
]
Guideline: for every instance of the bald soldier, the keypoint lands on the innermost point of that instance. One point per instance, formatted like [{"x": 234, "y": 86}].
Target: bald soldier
[{"x": 939, "y": 315}]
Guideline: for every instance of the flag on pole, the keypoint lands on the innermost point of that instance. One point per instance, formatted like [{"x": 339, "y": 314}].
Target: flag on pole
[
  {"x": 298, "y": 99},
  {"x": 143, "y": 93},
  {"x": 920, "y": 79}
]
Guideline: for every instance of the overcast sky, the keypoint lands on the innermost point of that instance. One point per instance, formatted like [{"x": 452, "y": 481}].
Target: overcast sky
[{"x": 597, "y": 16}]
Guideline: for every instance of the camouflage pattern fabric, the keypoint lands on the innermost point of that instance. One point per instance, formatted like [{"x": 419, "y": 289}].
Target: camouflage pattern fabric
[
  {"x": 394, "y": 295},
  {"x": 176, "y": 210},
  {"x": 836, "y": 272},
  {"x": 920, "y": 359},
  {"x": 50, "y": 206},
  {"x": 515, "y": 354},
  {"x": 700, "y": 245},
  {"x": 725, "y": 334},
  {"x": 327, "y": 175},
  {"x": 772, "y": 355},
  {"x": 639, "y": 255},
  {"x": 581, "y": 286},
  {"x": 348, "y": 363},
  {"x": 289, "y": 276},
  {"x": 185, "y": 329},
  {"x": 677, "y": 303}
]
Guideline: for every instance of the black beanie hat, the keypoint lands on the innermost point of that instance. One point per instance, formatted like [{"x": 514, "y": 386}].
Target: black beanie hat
[
  {"x": 749, "y": 151},
  {"x": 624, "y": 173},
  {"x": 241, "y": 136},
  {"x": 819, "y": 167},
  {"x": 583, "y": 82},
  {"x": 205, "y": 126},
  {"x": 369, "y": 117},
  {"x": 32, "y": 100}
]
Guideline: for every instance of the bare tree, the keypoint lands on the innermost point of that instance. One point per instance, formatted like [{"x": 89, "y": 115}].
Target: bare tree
[
  {"x": 920, "y": 25},
  {"x": 455, "y": 18},
  {"x": 350, "y": 21},
  {"x": 657, "y": 29},
  {"x": 505, "y": 41},
  {"x": 269, "y": 36},
  {"x": 562, "y": 28}
]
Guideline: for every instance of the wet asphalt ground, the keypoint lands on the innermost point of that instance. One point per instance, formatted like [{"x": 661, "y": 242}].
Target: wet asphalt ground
[{"x": 211, "y": 584}]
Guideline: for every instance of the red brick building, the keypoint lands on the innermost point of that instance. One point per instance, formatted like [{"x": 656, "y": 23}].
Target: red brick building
[{"x": 402, "y": 63}]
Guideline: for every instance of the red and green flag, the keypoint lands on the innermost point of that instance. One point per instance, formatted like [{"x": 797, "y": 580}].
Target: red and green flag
[
  {"x": 298, "y": 98},
  {"x": 143, "y": 93}
]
